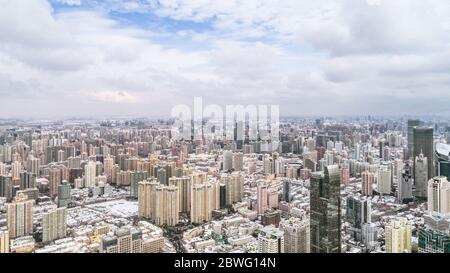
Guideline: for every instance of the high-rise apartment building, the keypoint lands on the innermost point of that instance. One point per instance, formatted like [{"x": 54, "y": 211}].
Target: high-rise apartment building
[
  {"x": 261, "y": 195},
  {"x": 20, "y": 216},
  {"x": 54, "y": 225},
  {"x": 167, "y": 205},
  {"x": 147, "y": 198},
  {"x": 296, "y": 235},
  {"x": 4, "y": 241},
  {"x": 271, "y": 240},
  {"x": 204, "y": 199},
  {"x": 398, "y": 236},
  {"x": 367, "y": 179},
  {"x": 90, "y": 171},
  {"x": 234, "y": 187},
  {"x": 439, "y": 195}
]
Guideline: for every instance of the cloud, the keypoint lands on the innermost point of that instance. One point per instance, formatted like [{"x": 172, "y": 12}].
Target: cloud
[
  {"x": 311, "y": 57},
  {"x": 114, "y": 96}
]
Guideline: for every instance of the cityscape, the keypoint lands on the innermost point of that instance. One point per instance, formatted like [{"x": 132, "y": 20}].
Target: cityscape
[{"x": 250, "y": 127}]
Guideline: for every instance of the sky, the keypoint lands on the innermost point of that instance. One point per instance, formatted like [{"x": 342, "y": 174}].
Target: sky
[{"x": 92, "y": 58}]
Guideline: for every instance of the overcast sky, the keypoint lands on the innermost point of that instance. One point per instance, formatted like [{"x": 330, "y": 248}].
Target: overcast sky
[{"x": 140, "y": 58}]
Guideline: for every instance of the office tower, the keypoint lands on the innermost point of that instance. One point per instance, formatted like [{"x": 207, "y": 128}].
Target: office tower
[
  {"x": 423, "y": 144},
  {"x": 270, "y": 240},
  {"x": 147, "y": 198},
  {"x": 33, "y": 165},
  {"x": 405, "y": 186},
  {"x": 439, "y": 195},
  {"x": 90, "y": 174},
  {"x": 369, "y": 235},
  {"x": 204, "y": 199},
  {"x": 431, "y": 241},
  {"x": 325, "y": 206},
  {"x": 54, "y": 179},
  {"x": 27, "y": 180},
  {"x": 296, "y": 235},
  {"x": 167, "y": 205},
  {"x": 421, "y": 176},
  {"x": 358, "y": 210},
  {"x": 6, "y": 187},
  {"x": 184, "y": 190},
  {"x": 411, "y": 125},
  {"x": 227, "y": 163},
  {"x": 286, "y": 190},
  {"x": 367, "y": 179},
  {"x": 125, "y": 240},
  {"x": 64, "y": 196},
  {"x": 4, "y": 241},
  {"x": 345, "y": 176},
  {"x": 238, "y": 161},
  {"x": 442, "y": 156},
  {"x": 234, "y": 187},
  {"x": 20, "y": 216},
  {"x": 54, "y": 225},
  {"x": 384, "y": 180},
  {"x": 261, "y": 193},
  {"x": 398, "y": 236}
]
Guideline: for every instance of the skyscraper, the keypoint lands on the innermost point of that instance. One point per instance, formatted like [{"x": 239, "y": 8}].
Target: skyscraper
[
  {"x": 411, "y": 125},
  {"x": 204, "y": 199},
  {"x": 227, "y": 160},
  {"x": 439, "y": 195},
  {"x": 4, "y": 241},
  {"x": 20, "y": 216},
  {"x": 367, "y": 179},
  {"x": 296, "y": 235},
  {"x": 6, "y": 187},
  {"x": 358, "y": 210},
  {"x": 184, "y": 190},
  {"x": 147, "y": 198},
  {"x": 271, "y": 240},
  {"x": 325, "y": 206},
  {"x": 398, "y": 236},
  {"x": 261, "y": 195},
  {"x": 54, "y": 225},
  {"x": 167, "y": 205},
  {"x": 423, "y": 144},
  {"x": 89, "y": 174},
  {"x": 421, "y": 176},
  {"x": 64, "y": 196},
  {"x": 234, "y": 187},
  {"x": 384, "y": 180},
  {"x": 442, "y": 156},
  {"x": 431, "y": 241}
]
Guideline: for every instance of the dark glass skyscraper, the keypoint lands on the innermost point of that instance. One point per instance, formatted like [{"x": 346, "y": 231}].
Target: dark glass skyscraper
[
  {"x": 325, "y": 202},
  {"x": 411, "y": 125}
]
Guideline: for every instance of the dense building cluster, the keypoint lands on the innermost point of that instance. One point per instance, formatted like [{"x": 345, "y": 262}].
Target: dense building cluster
[{"x": 128, "y": 186}]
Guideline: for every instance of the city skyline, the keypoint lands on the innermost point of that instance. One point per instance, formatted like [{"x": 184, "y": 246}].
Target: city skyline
[{"x": 81, "y": 58}]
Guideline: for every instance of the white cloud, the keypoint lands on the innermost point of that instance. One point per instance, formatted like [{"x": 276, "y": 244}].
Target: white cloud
[{"x": 312, "y": 57}]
